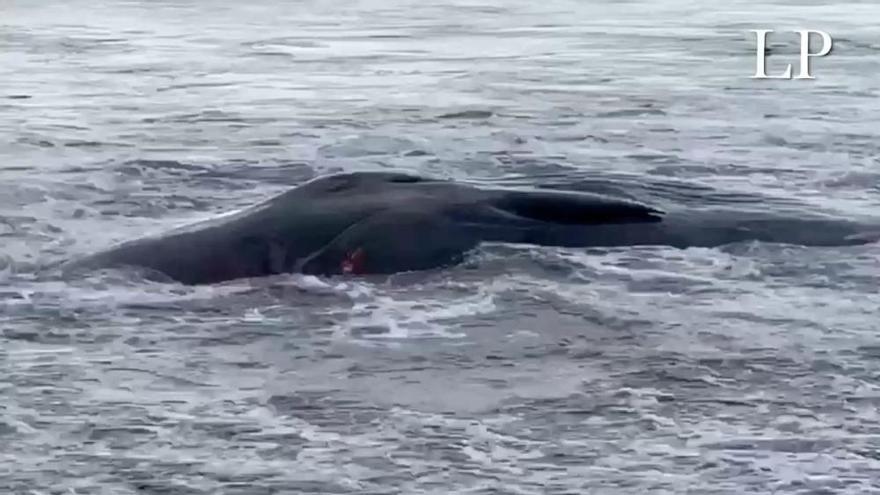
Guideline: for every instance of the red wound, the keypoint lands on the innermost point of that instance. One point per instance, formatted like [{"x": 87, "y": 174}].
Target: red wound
[{"x": 353, "y": 264}]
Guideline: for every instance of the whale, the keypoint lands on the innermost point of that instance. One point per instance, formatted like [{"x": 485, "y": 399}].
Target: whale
[{"x": 381, "y": 222}]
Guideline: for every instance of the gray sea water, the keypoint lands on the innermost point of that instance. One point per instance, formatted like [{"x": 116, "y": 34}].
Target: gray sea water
[{"x": 749, "y": 368}]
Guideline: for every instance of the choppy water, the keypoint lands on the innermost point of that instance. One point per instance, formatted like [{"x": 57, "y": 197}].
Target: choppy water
[{"x": 747, "y": 369}]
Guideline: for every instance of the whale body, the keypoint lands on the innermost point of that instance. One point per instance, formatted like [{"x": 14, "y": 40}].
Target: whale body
[{"x": 386, "y": 222}]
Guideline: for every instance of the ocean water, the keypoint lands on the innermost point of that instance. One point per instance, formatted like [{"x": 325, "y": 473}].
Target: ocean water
[{"x": 749, "y": 368}]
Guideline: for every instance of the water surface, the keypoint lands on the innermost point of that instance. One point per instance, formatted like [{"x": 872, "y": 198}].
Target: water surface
[{"x": 747, "y": 369}]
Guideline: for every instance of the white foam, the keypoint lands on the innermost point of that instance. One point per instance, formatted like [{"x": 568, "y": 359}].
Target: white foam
[{"x": 379, "y": 313}]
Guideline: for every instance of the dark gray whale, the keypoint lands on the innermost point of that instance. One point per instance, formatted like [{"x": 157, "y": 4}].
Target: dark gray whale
[{"x": 385, "y": 222}]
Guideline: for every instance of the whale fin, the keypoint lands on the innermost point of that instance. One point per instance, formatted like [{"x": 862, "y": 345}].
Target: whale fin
[
  {"x": 391, "y": 242},
  {"x": 574, "y": 208}
]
